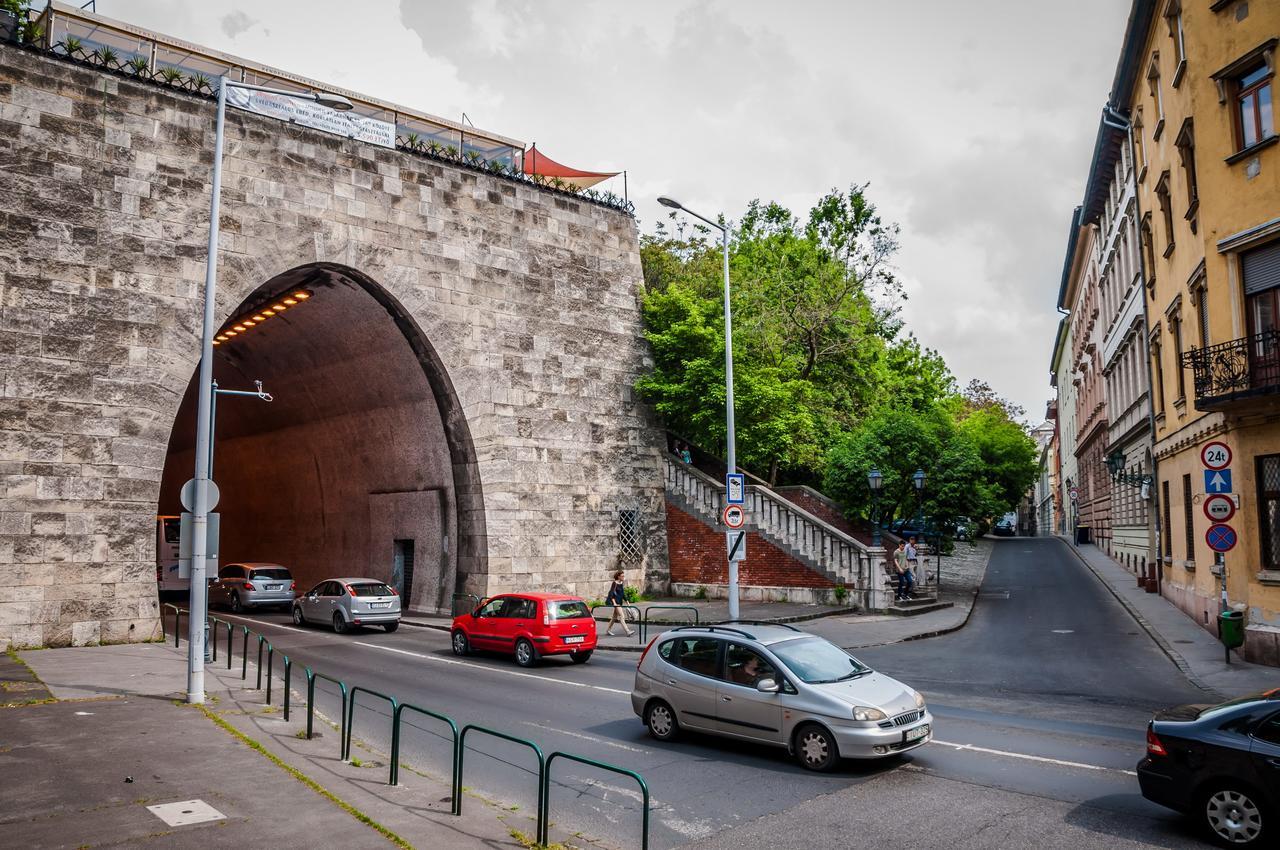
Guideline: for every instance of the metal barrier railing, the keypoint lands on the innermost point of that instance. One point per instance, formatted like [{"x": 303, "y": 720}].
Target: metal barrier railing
[
  {"x": 544, "y": 797},
  {"x": 311, "y": 701},
  {"x": 462, "y": 751},
  {"x": 453, "y": 606},
  {"x": 351, "y": 718},
  {"x": 458, "y": 742},
  {"x": 646, "y": 622},
  {"x": 455, "y": 787},
  {"x": 637, "y": 617}
]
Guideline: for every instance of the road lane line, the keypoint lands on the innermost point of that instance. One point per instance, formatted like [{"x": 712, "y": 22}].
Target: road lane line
[
  {"x": 592, "y": 738},
  {"x": 1024, "y": 756},
  {"x": 440, "y": 660}
]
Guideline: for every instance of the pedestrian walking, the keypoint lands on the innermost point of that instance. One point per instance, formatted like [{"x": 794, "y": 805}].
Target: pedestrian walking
[
  {"x": 913, "y": 565},
  {"x": 618, "y": 598},
  {"x": 900, "y": 571}
]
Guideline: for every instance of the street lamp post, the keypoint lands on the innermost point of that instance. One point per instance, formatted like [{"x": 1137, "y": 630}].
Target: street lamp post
[
  {"x": 876, "y": 482},
  {"x": 918, "y": 480},
  {"x": 200, "y": 505},
  {"x": 731, "y": 461}
]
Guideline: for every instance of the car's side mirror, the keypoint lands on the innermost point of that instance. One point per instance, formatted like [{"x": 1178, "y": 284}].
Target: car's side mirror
[{"x": 767, "y": 686}]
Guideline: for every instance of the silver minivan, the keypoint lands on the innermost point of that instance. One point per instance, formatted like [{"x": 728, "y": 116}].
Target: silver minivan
[
  {"x": 774, "y": 684},
  {"x": 252, "y": 585},
  {"x": 347, "y": 602}
]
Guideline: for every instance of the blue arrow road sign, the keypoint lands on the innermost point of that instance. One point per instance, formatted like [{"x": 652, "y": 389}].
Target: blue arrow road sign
[{"x": 1217, "y": 481}]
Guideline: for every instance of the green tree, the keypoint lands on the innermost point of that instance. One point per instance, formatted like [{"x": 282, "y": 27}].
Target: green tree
[{"x": 1008, "y": 454}]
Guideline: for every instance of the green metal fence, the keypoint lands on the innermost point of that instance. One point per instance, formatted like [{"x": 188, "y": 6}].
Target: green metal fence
[
  {"x": 455, "y": 788},
  {"x": 462, "y": 751},
  {"x": 544, "y": 797},
  {"x": 637, "y": 617},
  {"x": 311, "y": 701},
  {"x": 351, "y": 716},
  {"x": 646, "y": 622}
]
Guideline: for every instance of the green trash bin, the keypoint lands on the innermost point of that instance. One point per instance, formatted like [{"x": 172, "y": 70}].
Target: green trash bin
[{"x": 1231, "y": 629}]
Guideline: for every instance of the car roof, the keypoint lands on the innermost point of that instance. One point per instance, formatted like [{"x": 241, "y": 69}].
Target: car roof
[
  {"x": 547, "y": 597},
  {"x": 763, "y": 633},
  {"x": 256, "y": 565},
  {"x": 356, "y": 580}
]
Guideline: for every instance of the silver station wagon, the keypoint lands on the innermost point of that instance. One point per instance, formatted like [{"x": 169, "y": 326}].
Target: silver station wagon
[
  {"x": 348, "y": 602},
  {"x": 774, "y": 684}
]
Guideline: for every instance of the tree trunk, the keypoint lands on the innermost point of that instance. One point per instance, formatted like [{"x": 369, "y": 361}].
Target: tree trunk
[{"x": 773, "y": 473}]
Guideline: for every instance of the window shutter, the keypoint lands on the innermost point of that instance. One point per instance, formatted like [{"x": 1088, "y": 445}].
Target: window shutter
[{"x": 1261, "y": 269}]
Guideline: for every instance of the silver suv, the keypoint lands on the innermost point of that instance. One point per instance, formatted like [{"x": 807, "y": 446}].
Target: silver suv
[
  {"x": 252, "y": 585},
  {"x": 774, "y": 684}
]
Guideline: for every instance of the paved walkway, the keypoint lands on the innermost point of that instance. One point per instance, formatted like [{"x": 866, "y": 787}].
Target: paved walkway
[
  {"x": 116, "y": 743},
  {"x": 1194, "y": 650},
  {"x": 962, "y": 574}
]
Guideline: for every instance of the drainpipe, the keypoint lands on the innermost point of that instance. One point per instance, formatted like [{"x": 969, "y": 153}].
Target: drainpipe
[{"x": 1117, "y": 121}]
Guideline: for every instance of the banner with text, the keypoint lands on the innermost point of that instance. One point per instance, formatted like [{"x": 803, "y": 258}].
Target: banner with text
[{"x": 305, "y": 111}]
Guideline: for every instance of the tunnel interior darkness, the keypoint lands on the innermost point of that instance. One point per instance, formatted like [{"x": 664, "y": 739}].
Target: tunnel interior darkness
[{"x": 349, "y": 470}]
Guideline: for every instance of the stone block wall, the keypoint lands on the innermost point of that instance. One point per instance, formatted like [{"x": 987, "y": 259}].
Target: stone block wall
[
  {"x": 528, "y": 298},
  {"x": 697, "y": 557}
]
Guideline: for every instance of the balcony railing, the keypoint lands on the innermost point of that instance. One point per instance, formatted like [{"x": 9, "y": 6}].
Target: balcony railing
[{"x": 1232, "y": 371}]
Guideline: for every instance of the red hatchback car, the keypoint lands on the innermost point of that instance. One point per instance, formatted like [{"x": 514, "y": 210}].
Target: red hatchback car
[{"x": 530, "y": 625}]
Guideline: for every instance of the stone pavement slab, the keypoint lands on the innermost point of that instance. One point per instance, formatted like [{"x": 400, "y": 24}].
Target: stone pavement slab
[
  {"x": 18, "y": 685},
  {"x": 1193, "y": 649}
]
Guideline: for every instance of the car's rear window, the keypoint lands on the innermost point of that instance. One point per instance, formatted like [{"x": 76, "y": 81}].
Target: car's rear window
[
  {"x": 372, "y": 589},
  {"x": 571, "y": 610},
  {"x": 276, "y": 574}
]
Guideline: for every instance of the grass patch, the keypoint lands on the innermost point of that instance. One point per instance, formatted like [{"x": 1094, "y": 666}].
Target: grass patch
[
  {"x": 531, "y": 844},
  {"x": 308, "y": 781}
]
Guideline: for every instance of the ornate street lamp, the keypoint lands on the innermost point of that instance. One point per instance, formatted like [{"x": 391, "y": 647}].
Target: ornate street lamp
[{"x": 876, "y": 482}]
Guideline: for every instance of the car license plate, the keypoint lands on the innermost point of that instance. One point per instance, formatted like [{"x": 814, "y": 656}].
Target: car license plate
[
  {"x": 274, "y": 586},
  {"x": 915, "y": 734},
  {"x": 575, "y": 639},
  {"x": 379, "y": 604}
]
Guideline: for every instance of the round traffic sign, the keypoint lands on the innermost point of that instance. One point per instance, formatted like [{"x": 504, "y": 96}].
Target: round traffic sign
[
  {"x": 1215, "y": 455},
  {"x": 1221, "y": 538},
  {"x": 188, "y": 494},
  {"x": 1219, "y": 508},
  {"x": 734, "y": 516}
]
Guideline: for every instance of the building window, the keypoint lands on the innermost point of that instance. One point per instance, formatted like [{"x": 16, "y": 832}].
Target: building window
[
  {"x": 1254, "y": 119},
  {"x": 1188, "y": 516},
  {"x": 1157, "y": 97},
  {"x": 1268, "y": 475},
  {"x": 1148, "y": 249},
  {"x": 1261, "y": 271},
  {"x": 1158, "y": 369},
  {"x": 1202, "y": 311},
  {"x": 1166, "y": 209},
  {"x": 1173, "y": 17},
  {"x": 1187, "y": 153},
  {"x": 1166, "y": 538},
  {"x": 1175, "y": 329}
]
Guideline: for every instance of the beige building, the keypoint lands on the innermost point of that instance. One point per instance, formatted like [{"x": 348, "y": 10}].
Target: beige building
[{"x": 1196, "y": 80}]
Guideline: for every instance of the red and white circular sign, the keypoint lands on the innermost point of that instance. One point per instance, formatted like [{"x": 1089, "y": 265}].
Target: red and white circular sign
[
  {"x": 1215, "y": 455},
  {"x": 734, "y": 516},
  {"x": 1219, "y": 508}
]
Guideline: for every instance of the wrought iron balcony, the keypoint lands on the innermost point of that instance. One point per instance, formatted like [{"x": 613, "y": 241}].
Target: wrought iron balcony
[{"x": 1235, "y": 371}]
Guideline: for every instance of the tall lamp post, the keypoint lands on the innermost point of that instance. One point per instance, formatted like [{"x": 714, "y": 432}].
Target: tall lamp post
[
  {"x": 200, "y": 505},
  {"x": 731, "y": 461},
  {"x": 918, "y": 480},
  {"x": 876, "y": 482}
]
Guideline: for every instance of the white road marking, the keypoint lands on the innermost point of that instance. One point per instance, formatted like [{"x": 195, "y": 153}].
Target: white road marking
[
  {"x": 248, "y": 621},
  {"x": 1064, "y": 631},
  {"x": 592, "y": 738},
  {"x": 1025, "y": 757},
  {"x": 440, "y": 660}
]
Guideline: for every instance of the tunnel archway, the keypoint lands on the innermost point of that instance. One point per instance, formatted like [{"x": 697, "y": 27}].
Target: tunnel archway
[{"x": 362, "y": 464}]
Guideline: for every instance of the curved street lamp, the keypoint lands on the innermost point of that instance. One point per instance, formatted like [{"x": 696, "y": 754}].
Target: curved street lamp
[
  {"x": 731, "y": 460},
  {"x": 876, "y": 482}
]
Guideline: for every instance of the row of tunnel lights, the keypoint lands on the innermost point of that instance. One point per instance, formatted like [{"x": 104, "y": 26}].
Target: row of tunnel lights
[{"x": 249, "y": 322}]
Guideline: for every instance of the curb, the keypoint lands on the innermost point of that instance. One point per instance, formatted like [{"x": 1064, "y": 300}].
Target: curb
[{"x": 1157, "y": 638}]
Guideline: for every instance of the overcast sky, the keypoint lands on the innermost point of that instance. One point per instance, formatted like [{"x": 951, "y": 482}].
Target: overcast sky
[{"x": 973, "y": 121}]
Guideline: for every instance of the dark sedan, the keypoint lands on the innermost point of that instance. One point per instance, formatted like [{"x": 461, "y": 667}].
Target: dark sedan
[{"x": 1220, "y": 764}]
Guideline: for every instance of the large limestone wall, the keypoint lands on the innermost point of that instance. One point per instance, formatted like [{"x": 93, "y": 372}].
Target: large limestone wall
[{"x": 528, "y": 299}]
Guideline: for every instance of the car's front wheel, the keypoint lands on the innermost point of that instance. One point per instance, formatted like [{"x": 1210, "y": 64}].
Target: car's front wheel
[
  {"x": 461, "y": 646},
  {"x": 526, "y": 656},
  {"x": 816, "y": 748},
  {"x": 339, "y": 624},
  {"x": 660, "y": 718},
  {"x": 581, "y": 656},
  {"x": 1234, "y": 815},
  {"x": 298, "y": 619}
]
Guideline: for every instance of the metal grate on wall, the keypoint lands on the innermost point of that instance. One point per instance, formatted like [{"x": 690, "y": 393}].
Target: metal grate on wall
[{"x": 630, "y": 538}]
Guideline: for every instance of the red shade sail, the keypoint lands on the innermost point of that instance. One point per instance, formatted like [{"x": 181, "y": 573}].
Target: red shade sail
[{"x": 536, "y": 162}]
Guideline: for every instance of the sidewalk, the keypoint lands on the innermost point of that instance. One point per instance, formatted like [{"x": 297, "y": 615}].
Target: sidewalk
[
  {"x": 1195, "y": 651},
  {"x": 962, "y": 574},
  {"x": 119, "y": 741}
]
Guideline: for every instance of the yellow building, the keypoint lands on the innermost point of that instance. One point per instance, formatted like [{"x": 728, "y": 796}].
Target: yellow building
[{"x": 1196, "y": 79}]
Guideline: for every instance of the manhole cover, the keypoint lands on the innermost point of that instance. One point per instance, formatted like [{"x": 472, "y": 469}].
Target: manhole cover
[{"x": 186, "y": 812}]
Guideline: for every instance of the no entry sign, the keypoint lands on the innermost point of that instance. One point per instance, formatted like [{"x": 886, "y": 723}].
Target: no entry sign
[
  {"x": 1221, "y": 538},
  {"x": 1215, "y": 455},
  {"x": 1219, "y": 508}
]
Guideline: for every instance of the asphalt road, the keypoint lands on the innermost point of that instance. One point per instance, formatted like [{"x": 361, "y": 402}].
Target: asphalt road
[{"x": 1041, "y": 703}]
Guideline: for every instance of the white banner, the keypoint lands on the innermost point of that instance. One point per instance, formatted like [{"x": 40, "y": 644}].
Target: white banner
[{"x": 305, "y": 111}]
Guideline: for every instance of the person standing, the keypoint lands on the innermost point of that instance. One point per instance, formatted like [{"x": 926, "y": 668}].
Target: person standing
[
  {"x": 900, "y": 571},
  {"x": 913, "y": 565},
  {"x": 618, "y": 598},
  {"x": 685, "y": 455}
]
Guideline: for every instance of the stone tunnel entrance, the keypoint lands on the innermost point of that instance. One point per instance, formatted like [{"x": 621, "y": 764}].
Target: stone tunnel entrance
[{"x": 356, "y": 467}]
